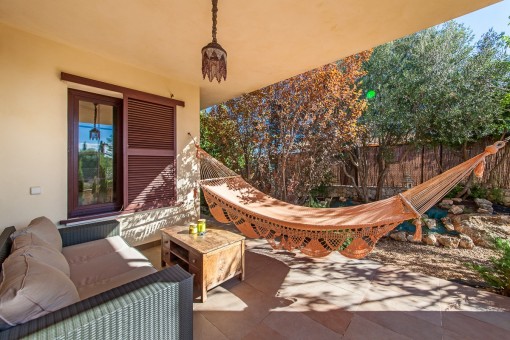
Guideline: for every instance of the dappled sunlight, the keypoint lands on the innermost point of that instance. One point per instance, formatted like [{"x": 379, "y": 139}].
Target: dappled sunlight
[{"x": 291, "y": 295}]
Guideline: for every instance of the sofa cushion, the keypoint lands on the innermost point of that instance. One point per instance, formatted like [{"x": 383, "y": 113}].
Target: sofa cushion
[
  {"x": 109, "y": 264},
  {"x": 87, "y": 251},
  {"x": 27, "y": 240},
  {"x": 44, "y": 229},
  {"x": 46, "y": 255},
  {"x": 31, "y": 288}
]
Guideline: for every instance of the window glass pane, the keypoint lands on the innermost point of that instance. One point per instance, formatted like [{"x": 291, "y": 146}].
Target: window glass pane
[{"x": 96, "y": 158}]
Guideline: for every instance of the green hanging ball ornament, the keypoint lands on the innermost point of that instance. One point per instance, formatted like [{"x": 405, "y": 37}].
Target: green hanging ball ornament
[{"x": 370, "y": 94}]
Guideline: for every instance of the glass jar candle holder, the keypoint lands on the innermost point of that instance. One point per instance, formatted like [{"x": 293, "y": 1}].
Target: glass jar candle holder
[
  {"x": 193, "y": 228},
  {"x": 201, "y": 226}
]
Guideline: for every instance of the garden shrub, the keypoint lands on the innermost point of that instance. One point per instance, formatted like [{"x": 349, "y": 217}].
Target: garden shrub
[
  {"x": 496, "y": 195},
  {"x": 497, "y": 275},
  {"x": 453, "y": 193},
  {"x": 478, "y": 192}
]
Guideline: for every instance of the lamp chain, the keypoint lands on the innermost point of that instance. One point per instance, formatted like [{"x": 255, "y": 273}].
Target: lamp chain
[{"x": 214, "y": 16}]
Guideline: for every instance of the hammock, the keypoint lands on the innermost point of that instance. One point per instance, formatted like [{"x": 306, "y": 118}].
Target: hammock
[{"x": 353, "y": 231}]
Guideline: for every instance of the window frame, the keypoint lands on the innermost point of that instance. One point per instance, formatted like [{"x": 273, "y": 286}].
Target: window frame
[{"x": 75, "y": 210}]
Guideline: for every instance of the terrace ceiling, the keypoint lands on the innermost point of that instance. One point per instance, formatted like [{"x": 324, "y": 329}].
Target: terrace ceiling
[{"x": 266, "y": 40}]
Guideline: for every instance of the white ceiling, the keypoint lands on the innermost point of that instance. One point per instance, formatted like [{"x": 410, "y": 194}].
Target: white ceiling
[{"x": 266, "y": 40}]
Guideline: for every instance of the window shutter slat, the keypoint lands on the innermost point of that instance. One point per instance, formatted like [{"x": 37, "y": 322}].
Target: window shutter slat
[{"x": 150, "y": 168}]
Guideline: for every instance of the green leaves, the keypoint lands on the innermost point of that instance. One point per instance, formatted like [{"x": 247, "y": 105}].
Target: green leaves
[{"x": 497, "y": 275}]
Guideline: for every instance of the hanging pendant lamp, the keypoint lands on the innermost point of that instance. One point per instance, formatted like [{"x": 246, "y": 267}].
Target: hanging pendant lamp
[
  {"x": 94, "y": 133},
  {"x": 214, "y": 57}
]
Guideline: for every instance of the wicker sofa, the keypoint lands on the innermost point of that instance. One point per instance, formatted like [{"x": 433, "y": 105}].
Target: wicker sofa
[{"x": 156, "y": 306}]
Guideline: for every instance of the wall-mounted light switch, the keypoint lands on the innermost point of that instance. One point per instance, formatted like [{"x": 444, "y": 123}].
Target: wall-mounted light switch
[{"x": 35, "y": 190}]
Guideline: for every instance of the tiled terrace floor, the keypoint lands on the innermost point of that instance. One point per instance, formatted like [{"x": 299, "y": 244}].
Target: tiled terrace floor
[{"x": 291, "y": 296}]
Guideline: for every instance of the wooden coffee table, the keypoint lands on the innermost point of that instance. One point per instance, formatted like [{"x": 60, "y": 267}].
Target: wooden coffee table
[{"x": 213, "y": 258}]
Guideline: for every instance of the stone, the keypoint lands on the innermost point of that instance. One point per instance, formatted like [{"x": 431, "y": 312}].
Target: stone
[
  {"x": 342, "y": 199},
  {"x": 410, "y": 238},
  {"x": 457, "y": 199},
  {"x": 466, "y": 242},
  {"x": 399, "y": 236},
  {"x": 456, "y": 209},
  {"x": 448, "y": 241},
  {"x": 430, "y": 239},
  {"x": 483, "y": 211},
  {"x": 483, "y": 229},
  {"x": 430, "y": 223},
  {"x": 447, "y": 201},
  {"x": 482, "y": 201},
  {"x": 449, "y": 226},
  {"x": 484, "y": 204},
  {"x": 444, "y": 206}
]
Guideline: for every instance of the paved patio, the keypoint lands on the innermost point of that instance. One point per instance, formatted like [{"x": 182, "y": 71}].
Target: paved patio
[{"x": 291, "y": 296}]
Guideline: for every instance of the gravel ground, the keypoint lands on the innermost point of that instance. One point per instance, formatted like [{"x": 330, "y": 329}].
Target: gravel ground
[{"x": 445, "y": 263}]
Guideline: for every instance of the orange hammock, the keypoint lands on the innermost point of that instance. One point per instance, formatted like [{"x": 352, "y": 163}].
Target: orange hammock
[{"x": 353, "y": 231}]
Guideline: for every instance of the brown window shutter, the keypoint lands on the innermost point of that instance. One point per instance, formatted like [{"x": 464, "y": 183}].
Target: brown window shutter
[{"x": 150, "y": 166}]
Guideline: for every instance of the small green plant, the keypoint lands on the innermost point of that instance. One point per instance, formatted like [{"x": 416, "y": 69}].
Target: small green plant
[
  {"x": 453, "y": 193},
  {"x": 497, "y": 275},
  {"x": 315, "y": 203},
  {"x": 496, "y": 195},
  {"x": 478, "y": 192}
]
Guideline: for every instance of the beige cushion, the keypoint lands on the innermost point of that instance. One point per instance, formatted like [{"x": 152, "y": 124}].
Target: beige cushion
[
  {"x": 45, "y": 230},
  {"x": 101, "y": 273},
  {"x": 27, "y": 240},
  {"x": 46, "y": 255},
  {"x": 87, "y": 251},
  {"x": 31, "y": 288}
]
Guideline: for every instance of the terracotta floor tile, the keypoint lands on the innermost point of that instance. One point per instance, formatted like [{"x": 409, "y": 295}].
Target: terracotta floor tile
[
  {"x": 298, "y": 326},
  {"x": 363, "y": 329},
  {"x": 262, "y": 331},
  {"x": 203, "y": 329},
  {"x": 405, "y": 324},
  {"x": 472, "y": 328}
]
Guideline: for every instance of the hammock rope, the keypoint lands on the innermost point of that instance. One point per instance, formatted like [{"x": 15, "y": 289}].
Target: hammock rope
[{"x": 353, "y": 231}]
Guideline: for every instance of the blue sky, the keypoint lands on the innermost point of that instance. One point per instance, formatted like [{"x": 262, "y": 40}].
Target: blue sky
[{"x": 495, "y": 16}]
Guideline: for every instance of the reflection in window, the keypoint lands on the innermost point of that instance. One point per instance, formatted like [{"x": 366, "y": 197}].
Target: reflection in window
[{"x": 96, "y": 159}]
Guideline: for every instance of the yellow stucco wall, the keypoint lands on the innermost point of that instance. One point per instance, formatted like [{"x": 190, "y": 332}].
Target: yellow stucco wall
[{"x": 33, "y": 131}]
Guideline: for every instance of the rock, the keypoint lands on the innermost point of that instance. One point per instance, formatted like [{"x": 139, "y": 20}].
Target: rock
[
  {"x": 446, "y": 219},
  {"x": 457, "y": 199},
  {"x": 444, "y": 206},
  {"x": 448, "y": 241},
  {"x": 482, "y": 201},
  {"x": 399, "y": 236},
  {"x": 483, "y": 211},
  {"x": 449, "y": 226},
  {"x": 430, "y": 239},
  {"x": 456, "y": 221},
  {"x": 466, "y": 242},
  {"x": 483, "y": 229},
  {"x": 342, "y": 199},
  {"x": 430, "y": 223},
  {"x": 447, "y": 202},
  {"x": 410, "y": 238},
  {"x": 456, "y": 209},
  {"x": 484, "y": 204}
]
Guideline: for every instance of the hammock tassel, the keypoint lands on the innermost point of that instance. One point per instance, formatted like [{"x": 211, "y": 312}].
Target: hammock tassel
[
  {"x": 480, "y": 169},
  {"x": 418, "y": 232}
]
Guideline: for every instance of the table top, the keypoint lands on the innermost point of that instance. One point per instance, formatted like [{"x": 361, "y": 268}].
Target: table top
[{"x": 212, "y": 240}]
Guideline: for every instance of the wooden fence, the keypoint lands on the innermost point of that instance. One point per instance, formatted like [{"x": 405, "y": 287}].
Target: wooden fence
[{"x": 421, "y": 164}]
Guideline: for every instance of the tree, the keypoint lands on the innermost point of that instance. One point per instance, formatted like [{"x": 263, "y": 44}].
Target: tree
[
  {"x": 290, "y": 133},
  {"x": 433, "y": 87}
]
